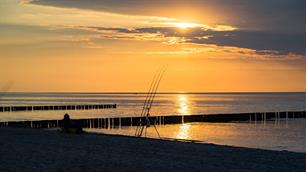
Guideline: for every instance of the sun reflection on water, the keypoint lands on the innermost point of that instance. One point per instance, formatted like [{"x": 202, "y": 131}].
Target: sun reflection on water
[
  {"x": 183, "y": 104},
  {"x": 184, "y": 131}
]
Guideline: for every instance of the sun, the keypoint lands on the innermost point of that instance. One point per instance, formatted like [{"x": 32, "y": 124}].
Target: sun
[
  {"x": 183, "y": 25},
  {"x": 187, "y": 25}
]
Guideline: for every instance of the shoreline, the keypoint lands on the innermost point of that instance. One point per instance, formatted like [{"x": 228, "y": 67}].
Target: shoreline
[{"x": 24, "y": 149}]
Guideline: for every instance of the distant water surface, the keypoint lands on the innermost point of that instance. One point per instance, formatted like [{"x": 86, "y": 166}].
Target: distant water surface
[{"x": 130, "y": 104}]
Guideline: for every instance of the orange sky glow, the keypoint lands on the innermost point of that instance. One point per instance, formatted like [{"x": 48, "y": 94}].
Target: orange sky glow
[{"x": 52, "y": 47}]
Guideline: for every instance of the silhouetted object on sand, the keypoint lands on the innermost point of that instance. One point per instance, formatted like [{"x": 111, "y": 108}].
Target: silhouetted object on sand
[{"x": 70, "y": 127}]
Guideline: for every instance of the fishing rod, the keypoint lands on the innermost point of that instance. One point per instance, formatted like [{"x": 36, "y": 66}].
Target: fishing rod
[
  {"x": 148, "y": 98},
  {"x": 139, "y": 129},
  {"x": 159, "y": 80},
  {"x": 149, "y": 95},
  {"x": 149, "y": 101},
  {"x": 152, "y": 92},
  {"x": 150, "y": 105}
]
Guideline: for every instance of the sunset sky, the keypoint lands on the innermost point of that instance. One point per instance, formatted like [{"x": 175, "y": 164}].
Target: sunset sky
[{"x": 117, "y": 45}]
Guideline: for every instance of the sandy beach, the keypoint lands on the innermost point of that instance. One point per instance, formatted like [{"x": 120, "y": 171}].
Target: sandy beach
[{"x": 23, "y": 149}]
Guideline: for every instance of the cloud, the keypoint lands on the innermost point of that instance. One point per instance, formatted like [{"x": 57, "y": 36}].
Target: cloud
[
  {"x": 260, "y": 41},
  {"x": 167, "y": 41},
  {"x": 229, "y": 53},
  {"x": 257, "y": 40},
  {"x": 275, "y": 15},
  {"x": 264, "y": 26}
]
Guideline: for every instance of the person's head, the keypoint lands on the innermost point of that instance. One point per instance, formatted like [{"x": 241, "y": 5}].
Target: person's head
[{"x": 66, "y": 116}]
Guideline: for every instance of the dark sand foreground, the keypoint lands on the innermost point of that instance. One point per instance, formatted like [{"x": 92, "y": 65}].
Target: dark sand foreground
[{"x": 38, "y": 150}]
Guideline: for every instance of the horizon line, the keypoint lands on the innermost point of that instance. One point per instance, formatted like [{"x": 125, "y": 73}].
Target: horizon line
[{"x": 144, "y": 92}]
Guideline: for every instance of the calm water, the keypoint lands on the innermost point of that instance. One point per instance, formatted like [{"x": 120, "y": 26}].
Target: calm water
[
  {"x": 283, "y": 135},
  {"x": 165, "y": 104},
  {"x": 272, "y": 135}
]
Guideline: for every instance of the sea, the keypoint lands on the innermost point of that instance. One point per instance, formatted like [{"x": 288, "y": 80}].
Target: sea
[{"x": 289, "y": 135}]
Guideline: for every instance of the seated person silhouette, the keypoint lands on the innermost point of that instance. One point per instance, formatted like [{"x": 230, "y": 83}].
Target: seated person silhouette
[{"x": 70, "y": 127}]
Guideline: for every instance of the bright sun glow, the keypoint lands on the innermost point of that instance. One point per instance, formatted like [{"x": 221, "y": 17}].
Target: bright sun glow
[
  {"x": 187, "y": 25},
  {"x": 184, "y": 25}
]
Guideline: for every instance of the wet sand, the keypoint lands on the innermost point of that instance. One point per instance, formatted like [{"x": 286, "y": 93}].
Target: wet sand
[{"x": 33, "y": 150}]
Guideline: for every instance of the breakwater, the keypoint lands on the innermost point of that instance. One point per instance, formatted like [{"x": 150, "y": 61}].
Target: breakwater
[
  {"x": 118, "y": 122},
  {"x": 56, "y": 107}
]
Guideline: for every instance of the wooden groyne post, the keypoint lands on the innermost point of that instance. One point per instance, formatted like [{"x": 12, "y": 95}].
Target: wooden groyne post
[
  {"x": 118, "y": 122},
  {"x": 56, "y": 107}
]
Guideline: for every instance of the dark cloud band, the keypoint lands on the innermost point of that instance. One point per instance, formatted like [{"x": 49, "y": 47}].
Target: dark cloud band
[
  {"x": 256, "y": 40},
  {"x": 273, "y": 15}
]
